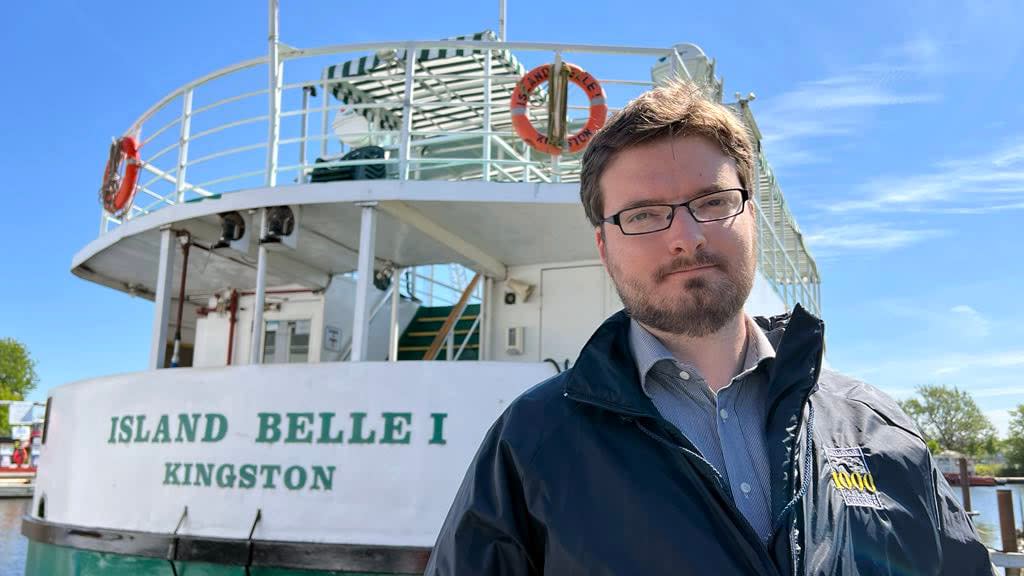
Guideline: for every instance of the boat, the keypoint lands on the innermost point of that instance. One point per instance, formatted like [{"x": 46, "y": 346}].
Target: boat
[
  {"x": 410, "y": 265},
  {"x": 953, "y": 478}
]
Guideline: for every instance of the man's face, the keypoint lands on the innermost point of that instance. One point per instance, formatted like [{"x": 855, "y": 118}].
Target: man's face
[{"x": 692, "y": 278}]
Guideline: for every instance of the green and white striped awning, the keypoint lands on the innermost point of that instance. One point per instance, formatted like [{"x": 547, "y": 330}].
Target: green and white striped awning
[{"x": 443, "y": 75}]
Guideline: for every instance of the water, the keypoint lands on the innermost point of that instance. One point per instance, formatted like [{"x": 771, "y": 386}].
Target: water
[
  {"x": 14, "y": 546},
  {"x": 983, "y": 501}
]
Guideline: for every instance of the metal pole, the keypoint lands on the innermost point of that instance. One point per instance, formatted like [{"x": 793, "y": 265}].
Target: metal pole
[
  {"x": 183, "y": 136},
  {"x": 501, "y": 21},
  {"x": 1007, "y": 527},
  {"x": 965, "y": 484},
  {"x": 487, "y": 116},
  {"x": 302, "y": 132},
  {"x": 274, "y": 122},
  {"x": 396, "y": 284},
  {"x": 485, "y": 321},
  {"x": 556, "y": 72},
  {"x": 324, "y": 102},
  {"x": 186, "y": 243},
  {"x": 364, "y": 280},
  {"x": 404, "y": 144},
  {"x": 259, "y": 298},
  {"x": 162, "y": 301}
]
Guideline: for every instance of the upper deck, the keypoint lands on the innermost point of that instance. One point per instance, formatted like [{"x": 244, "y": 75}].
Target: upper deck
[{"x": 438, "y": 112}]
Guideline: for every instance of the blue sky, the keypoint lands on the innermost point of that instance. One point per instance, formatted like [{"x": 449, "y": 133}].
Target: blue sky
[{"x": 897, "y": 134}]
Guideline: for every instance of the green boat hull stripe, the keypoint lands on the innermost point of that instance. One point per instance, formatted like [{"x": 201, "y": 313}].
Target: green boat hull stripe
[{"x": 231, "y": 551}]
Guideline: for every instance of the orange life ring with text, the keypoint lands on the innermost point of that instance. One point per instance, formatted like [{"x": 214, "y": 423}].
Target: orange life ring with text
[
  {"x": 117, "y": 191},
  {"x": 530, "y": 135}
]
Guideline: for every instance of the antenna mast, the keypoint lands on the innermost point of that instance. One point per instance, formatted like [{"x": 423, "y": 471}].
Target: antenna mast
[{"x": 501, "y": 21}]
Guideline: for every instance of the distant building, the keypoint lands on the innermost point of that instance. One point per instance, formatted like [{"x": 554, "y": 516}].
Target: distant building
[{"x": 948, "y": 462}]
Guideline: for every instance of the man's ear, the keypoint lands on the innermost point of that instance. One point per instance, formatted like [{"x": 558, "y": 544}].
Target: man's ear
[{"x": 599, "y": 239}]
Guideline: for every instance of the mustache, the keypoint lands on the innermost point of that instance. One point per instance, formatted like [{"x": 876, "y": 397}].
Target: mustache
[{"x": 700, "y": 258}]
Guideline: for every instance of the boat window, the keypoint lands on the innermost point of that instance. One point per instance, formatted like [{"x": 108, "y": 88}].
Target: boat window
[
  {"x": 298, "y": 341},
  {"x": 270, "y": 343},
  {"x": 286, "y": 341}
]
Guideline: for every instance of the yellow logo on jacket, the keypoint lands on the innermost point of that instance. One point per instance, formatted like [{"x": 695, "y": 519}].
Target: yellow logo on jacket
[{"x": 851, "y": 477}]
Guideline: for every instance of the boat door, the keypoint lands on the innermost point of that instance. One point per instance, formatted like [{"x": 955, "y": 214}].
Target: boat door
[{"x": 574, "y": 302}]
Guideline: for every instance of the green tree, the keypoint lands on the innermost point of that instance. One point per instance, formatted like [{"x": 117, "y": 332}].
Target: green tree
[
  {"x": 950, "y": 420},
  {"x": 1013, "y": 446},
  {"x": 17, "y": 376}
]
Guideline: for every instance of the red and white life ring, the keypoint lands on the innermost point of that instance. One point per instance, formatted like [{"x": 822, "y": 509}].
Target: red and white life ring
[
  {"x": 579, "y": 140},
  {"x": 117, "y": 190}
]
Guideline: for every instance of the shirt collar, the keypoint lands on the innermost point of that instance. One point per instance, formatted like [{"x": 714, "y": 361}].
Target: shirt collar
[{"x": 648, "y": 350}]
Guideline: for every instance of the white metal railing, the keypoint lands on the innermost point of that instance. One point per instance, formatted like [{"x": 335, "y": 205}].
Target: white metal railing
[
  {"x": 782, "y": 256},
  {"x": 212, "y": 136},
  {"x": 192, "y": 142}
]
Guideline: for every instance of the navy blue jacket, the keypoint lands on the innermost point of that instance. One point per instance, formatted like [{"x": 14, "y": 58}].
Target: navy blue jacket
[{"x": 581, "y": 475}]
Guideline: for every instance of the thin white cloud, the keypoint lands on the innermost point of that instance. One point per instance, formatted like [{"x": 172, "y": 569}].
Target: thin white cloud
[
  {"x": 864, "y": 237},
  {"x": 837, "y": 105},
  {"x": 991, "y": 182},
  {"x": 957, "y": 363}
]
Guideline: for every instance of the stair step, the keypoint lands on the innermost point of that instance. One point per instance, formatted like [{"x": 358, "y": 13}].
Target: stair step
[
  {"x": 443, "y": 318},
  {"x": 425, "y": 348},
  {"x": 434, "y": 333}
]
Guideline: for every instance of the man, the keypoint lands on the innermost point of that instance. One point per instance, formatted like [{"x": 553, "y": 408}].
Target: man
[
  {"x": 20, "y": 456},
  {"x": 689, "y": 438}
]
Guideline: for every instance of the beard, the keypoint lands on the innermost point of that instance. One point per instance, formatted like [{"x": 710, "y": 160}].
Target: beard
[{"x": 703, "y": 306}]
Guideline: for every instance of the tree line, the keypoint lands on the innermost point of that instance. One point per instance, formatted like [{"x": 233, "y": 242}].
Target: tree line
[{"x": 950, "y": 419}]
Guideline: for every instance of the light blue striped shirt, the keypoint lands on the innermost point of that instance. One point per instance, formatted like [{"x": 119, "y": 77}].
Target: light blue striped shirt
[{"x": 727, "y": 428}]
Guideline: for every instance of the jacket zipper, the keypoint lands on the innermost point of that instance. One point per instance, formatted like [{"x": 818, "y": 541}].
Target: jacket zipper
[{"x": 719, "y": 482}]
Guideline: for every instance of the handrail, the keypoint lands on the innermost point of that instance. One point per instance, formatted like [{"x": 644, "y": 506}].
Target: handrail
[
  {"x": 428, "y": 134},
  {"x": 452, "y": 318},
  {"x": 469, "y": 334}
]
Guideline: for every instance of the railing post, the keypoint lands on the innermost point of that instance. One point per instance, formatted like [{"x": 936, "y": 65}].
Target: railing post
[
  {"x": 407, "y": 102},
  {"x": 1007, "y": 526},
  {"x": 965, "y": 485},
  {"x": 183, "y": 135},
  {"x": 325, "y": 101},
  {"x": 487, "y": 117},
  {"x": 275, "y": 70},
  {"x": 303, "y": 132}
]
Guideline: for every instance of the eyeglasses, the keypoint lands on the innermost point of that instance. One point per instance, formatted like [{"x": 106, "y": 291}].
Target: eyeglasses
[{"x": 718, "y": 205}]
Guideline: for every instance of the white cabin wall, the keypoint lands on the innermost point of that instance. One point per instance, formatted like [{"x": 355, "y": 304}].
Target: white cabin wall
[
  {"x": 211, "y": 348},
  {"x": 529, "y": 314}
]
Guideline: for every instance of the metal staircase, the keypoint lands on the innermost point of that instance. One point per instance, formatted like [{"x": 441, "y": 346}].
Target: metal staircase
[{"x": 428, "y": 322}]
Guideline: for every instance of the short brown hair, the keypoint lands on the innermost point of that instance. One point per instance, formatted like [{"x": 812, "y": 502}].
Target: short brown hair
[{"x": 677, "y": 109}]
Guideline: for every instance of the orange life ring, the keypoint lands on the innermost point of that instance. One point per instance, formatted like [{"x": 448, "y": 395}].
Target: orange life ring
[
  {"x": 574, "y": 143},
  {"x": 117, "y": 191}
]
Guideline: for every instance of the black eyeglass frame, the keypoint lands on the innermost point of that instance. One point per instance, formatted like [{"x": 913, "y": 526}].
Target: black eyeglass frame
[{"x": 614, "y": 218}]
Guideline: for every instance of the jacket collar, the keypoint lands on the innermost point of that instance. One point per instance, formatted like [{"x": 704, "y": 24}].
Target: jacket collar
[{"x": 605, "y": 373}]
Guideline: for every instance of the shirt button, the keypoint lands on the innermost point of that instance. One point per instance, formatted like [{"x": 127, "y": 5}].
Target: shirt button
[
  {"x": 724, "y": 414},
  {"x": 745, "y": 488},
  {"x": 684, "y": 375}
]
